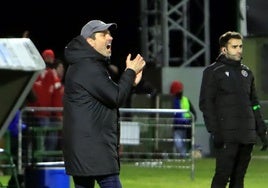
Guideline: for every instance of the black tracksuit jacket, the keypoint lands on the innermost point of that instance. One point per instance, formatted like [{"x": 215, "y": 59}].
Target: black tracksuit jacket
[{"x": 227, "y": 97}]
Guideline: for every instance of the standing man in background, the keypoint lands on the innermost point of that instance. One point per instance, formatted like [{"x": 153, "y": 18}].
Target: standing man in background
[
  {"x": 232, "y": 112},
  {"x": 182, "y": 121},
  {"x": 91, "y": 130}
]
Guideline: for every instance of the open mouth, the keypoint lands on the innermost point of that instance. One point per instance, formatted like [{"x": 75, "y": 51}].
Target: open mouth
[{"x": 109, "y": 46}]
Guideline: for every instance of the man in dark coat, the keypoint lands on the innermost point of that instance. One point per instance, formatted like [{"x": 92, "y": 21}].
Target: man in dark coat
[
  {"x": 91, "y": 107},
  {"x": 231, "y": 112}
]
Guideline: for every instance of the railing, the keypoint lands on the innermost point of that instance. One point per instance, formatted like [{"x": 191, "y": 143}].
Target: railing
[
  {"x": 146, "y": 139},
  {"x": 151, "y": 142},
  {"x": 39, "y": 144}
]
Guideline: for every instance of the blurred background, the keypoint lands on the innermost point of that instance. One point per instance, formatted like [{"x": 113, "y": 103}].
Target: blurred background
[
  {"x": 53, "y": 24},
  {"x": 177, "y": 38}
]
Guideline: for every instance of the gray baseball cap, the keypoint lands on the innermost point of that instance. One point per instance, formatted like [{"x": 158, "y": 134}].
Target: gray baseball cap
[{"x": 94, "y": 26}]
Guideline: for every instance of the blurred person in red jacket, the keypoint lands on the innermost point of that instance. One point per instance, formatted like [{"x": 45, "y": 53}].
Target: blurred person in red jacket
[{"x": 46, "y": 84}]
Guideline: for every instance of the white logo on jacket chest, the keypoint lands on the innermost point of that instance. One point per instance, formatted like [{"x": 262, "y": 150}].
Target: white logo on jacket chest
[
  {"x": 227, "y": 73},
  {"x": 244, "y": 73}
]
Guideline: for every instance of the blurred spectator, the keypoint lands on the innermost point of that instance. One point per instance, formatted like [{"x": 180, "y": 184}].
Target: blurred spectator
[
  {"x": 57, "y": 95},
  {"x": 181, "y": 120},
  {"x": 26, "y": 34},
  {"x": 47, "y": 83},
  {"x": 57, "y": 100},
  {"x": 145, "y": 87}
]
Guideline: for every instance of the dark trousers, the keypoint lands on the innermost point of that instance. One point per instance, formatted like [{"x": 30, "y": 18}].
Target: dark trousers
[
  {"x": 232, "y": 161},
  {"x": 111, "y": 181}
]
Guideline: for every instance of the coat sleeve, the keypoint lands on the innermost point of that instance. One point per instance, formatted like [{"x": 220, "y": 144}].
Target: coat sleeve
[
  {"x": 261, "y": 127},
  {"x": 207, "y": 99},
  {"x": 99, "y": 84}
]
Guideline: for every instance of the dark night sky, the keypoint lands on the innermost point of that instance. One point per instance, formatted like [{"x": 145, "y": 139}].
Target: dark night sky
[{"x": 53, "y": 24}]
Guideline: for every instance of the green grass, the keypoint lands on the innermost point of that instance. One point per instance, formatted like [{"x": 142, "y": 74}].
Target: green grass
[
  {"x": 133, "y": 177},
  {"x": 146, "y": 177},
  {"x": 163, "y": 177}
]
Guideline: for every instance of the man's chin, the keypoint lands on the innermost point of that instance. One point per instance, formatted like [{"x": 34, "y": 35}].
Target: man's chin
[{"x": 108, "y": 54}]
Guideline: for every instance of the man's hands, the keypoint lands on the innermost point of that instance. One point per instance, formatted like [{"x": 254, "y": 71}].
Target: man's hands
[
  {"x": 261, "y": 129},
  {"x": 137, "y": 65},
  {"x": 262, "y": 133},
  {"x": 138, "y": 78}
]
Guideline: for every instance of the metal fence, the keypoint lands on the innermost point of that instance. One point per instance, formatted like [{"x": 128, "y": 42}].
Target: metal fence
[{"x": 146, "y": 138}]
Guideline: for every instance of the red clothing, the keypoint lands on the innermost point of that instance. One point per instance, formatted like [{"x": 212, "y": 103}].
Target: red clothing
[
  {"x": 45, "y": 85},
  {"x": 57, "y": 100}
]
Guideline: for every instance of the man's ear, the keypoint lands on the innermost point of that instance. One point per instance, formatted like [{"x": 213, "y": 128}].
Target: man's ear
[{"x": 90, "y": 41}]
